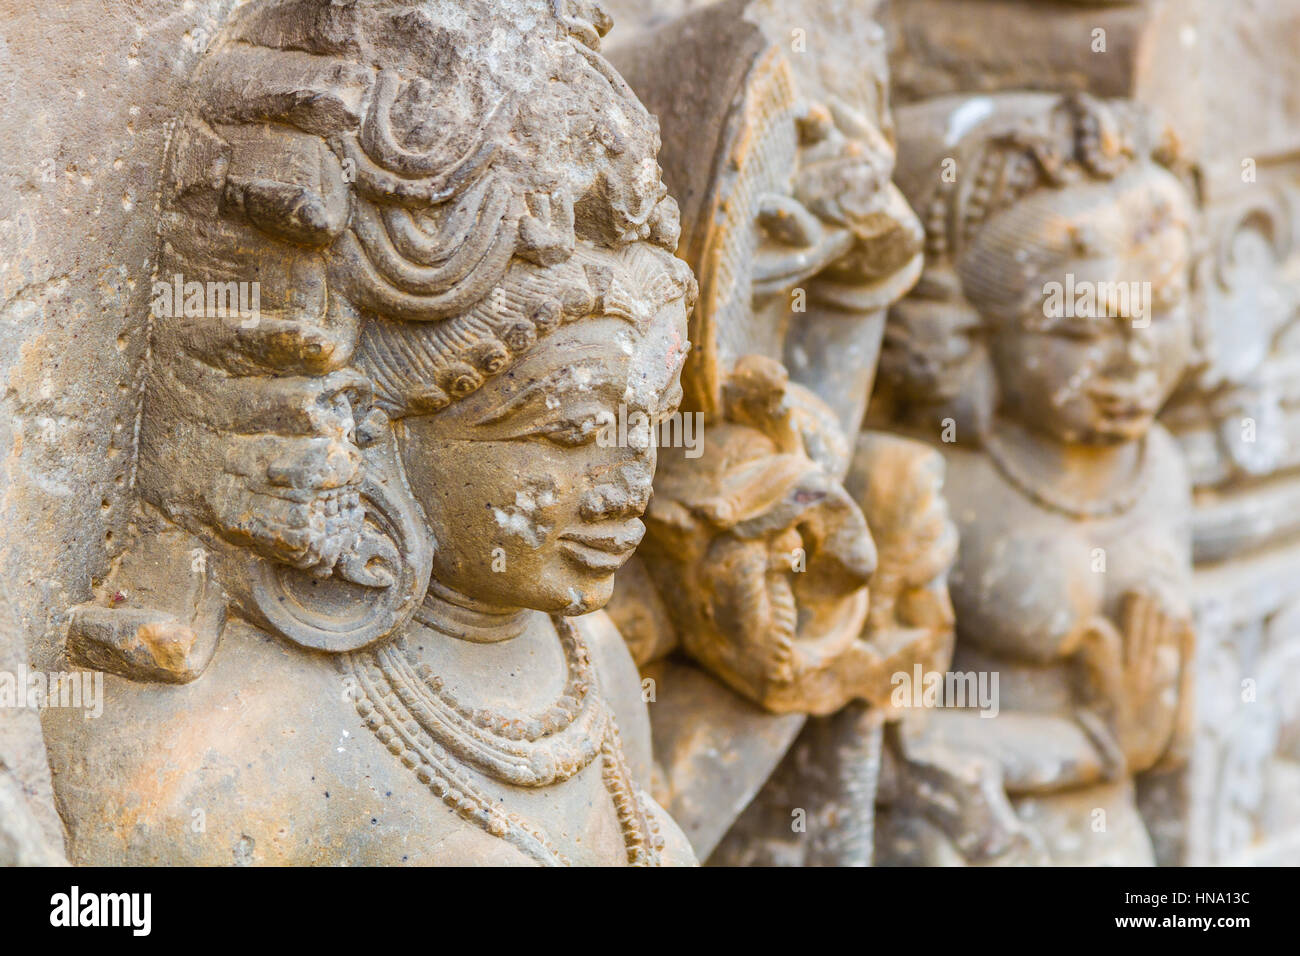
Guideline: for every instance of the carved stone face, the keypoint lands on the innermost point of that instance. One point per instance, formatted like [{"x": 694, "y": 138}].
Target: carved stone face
[
  {"x": 528, "y": 503},
  {"x": 1107, "y": 333},
  {"x": 763, "y": 553},
  {"x": 929, "y": 349}
]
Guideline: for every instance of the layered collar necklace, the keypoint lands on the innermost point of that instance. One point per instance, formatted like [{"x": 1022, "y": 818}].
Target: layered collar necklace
[
  {"x": 1042, "y": 494},
  {"x": 411, "y": 711},
  {"x": 455, "y": 615}
]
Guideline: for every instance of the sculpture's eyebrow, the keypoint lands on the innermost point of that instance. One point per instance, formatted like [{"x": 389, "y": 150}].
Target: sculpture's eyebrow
[{"x": 590, "y": 375}]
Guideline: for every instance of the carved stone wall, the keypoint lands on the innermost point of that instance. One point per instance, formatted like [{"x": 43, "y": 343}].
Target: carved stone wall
[
  {"x": 1238, "y": 422},
  {"x": 87, "y": 101},
  {"x": 360, "y": 521}
]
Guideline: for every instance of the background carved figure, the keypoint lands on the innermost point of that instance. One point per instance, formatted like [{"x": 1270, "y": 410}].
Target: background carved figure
[
  {"x": 758, "y": 557},
  {"x": 1073, "y": 507}
]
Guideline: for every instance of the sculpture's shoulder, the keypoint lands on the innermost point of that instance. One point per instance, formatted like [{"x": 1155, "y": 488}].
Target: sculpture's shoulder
[
  {"x": 1023, "y": 579},
  {"x": 262, "y": 759},
  {"x": 996, "y": 522}
]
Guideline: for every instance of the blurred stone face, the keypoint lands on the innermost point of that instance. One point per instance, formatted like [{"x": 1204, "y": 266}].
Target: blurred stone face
[
  {"x": 840, "y": 215},
  {"x": 1105, "y": 333},
  {"x": 929, "y": 349}
]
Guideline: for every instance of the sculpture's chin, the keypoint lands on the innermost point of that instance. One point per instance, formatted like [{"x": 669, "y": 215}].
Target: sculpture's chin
[
  {"x": 1110, "y": 432},
  {"x": 584, "y": 602},
  {"x": 574, "y": 595}
]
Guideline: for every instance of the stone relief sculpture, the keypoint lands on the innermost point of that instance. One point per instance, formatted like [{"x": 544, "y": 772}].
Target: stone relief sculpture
[
  {"x": 996, "y": 387},
  {"x": 1072, "y": 504},
  {"x": 359, "y": 617},
  {"x": 758, "y": 553},
  {"x": 1221, "y": 73}
]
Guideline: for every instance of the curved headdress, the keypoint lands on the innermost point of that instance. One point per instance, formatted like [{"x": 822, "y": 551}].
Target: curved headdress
[
  {"x": 973, "y": 156},
  {"x": 415, "y": 149},
  {"x": 773, "y": 186}
]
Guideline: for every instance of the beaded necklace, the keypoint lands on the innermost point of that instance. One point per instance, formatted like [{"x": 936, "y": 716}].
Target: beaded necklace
[
  {"x": 410, "y": 711},
  {"x": 1051, "y": 500}
]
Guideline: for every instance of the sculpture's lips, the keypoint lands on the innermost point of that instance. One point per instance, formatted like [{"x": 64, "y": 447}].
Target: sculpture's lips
[
  {"x": 603, "y": 552},
  {"x": 1125, "y": 400},
  {"x": 1124, "y": 406}
]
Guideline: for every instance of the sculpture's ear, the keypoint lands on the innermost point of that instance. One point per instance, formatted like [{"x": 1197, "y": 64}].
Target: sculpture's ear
[
  {"x": 375, "y": 586},
  {"x": 159, "y": 615}
]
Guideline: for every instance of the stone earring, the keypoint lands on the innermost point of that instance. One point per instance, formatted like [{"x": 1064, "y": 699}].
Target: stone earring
[{"x": 376, "y": 585}]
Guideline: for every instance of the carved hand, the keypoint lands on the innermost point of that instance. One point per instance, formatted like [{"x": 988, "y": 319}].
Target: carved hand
[{"x": 1136, "y": 676}]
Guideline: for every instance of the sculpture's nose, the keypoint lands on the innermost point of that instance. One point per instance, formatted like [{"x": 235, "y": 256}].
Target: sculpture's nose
[
  {"x": 623, "y": 493},
  {"x": 1139, "y": 346}
]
